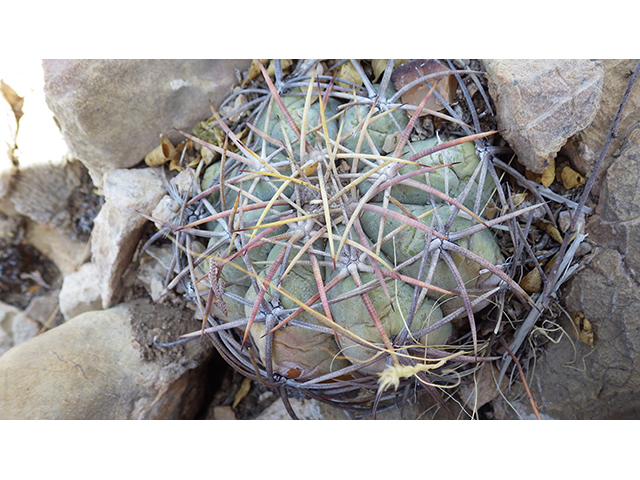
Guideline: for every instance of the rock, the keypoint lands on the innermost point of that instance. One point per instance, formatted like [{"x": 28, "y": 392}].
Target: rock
[
  {"x": 80, "y": 291},
  {"x": 576, "y": 381},
  {"x": 18, "y": 326},
  {"x": 165, "y": 211},
  {"x": 7, "y": 314},
  {"x": 23, "y": 328},
  {"x": 112, "y": 111},
  {"x": 483, "y": 388},
  {"x": 584, "y": 148},
  {"x": 620, "y": 199},
  {"x": 305, "y": 409},
  {"x": 101, "y": 365},
  {"x": 43, "y": 309},
  {"x": 604, "y": 381},
  {"x": 152, "y": 272},
  {"x": 118, "y": 226},
  {"x": 41, "y": 191},
  {"x": 541, "y": 103},
  {"x": 223, "y": 412},
  {"x": 58, "y": 246},
  {"x": 616, "y": 224}
]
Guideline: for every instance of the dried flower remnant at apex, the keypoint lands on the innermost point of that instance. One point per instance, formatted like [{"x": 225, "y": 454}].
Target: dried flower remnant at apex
[{"x": 328, "y": 260}]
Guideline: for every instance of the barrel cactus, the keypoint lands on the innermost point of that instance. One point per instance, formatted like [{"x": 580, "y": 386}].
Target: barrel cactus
[{"x": 330, "y": 247}]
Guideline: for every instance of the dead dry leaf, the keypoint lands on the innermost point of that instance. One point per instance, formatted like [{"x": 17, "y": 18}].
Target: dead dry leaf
[
  {"x": 490, "y": 210},
  {"x": 163, "y": 153},
  {"x": 516, "y": 200},
  {"x": 379, "y": 66},
  {"x": 349, "y": 73},
  {"x": 531, "y": 282},
  {"x": 242, "y": 392},
  {"x": 15, "y": 100},
  {"x": 206, "y": 132},
  {"x": 571, "y": 179},
  {"x": 254, "y": 70},
  {"x": 285, "y": 64},
  {"x": 551, "y": 230},
  {"x": 583, "y": 328},
  {"x": 545, "y": 178}
]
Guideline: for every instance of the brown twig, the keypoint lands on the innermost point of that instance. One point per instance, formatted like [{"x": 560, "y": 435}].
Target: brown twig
[{"x": 524, "y": 380}]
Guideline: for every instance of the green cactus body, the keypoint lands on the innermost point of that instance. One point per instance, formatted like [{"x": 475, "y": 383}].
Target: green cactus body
[
  {"x": 298, "y": 352},
  {"x": 379, "y": 130},
  {"x": 411, "y": 242},
  {"x": 449, "y": 180},
  {"x": 340, "y": 275},
  {"x": 351, "y": 314},
  {"x": 295, "y": 106},
  {"x": 264, "y": 189}
]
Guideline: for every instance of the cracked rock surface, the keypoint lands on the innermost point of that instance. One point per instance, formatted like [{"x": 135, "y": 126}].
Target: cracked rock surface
[
  {"x": 99, "y": 366},
  {"x": 604, "y": 381},
  {"x": 541, "y": 103}
]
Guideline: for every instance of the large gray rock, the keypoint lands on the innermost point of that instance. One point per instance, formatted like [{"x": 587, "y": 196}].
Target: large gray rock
[
  {"x": 101, "y": 365},
  {"x": 576, "y": 381},
  {"x": 603, "y": 381},
  {"x": 584, "y": 148},
  {"x": 541, "y": 103},
  {"x": 112, "y": 111}
]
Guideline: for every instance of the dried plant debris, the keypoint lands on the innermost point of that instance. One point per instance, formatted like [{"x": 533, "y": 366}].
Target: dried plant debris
[{"x": 336, "y": 249}]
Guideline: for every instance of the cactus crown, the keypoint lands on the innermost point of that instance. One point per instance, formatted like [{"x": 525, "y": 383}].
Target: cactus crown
[{"x": 331, "y": 248}]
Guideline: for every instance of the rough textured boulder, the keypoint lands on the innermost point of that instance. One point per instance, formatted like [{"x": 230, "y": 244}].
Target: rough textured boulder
[
  {"x": 111, "y": 112},
  {"x": 604, "y": 381},
  {"x": 101, "y": 365},
  {"x": 584, "y": 148},
  {"x": 541, "y": 103}
]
